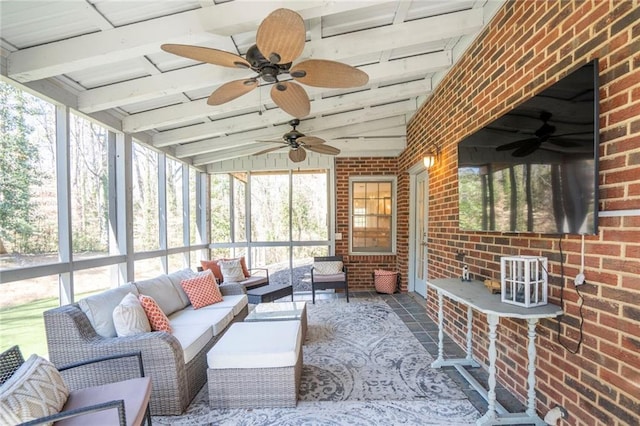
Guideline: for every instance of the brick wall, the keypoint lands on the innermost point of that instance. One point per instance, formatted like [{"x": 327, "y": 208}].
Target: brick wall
[
  {"x": 528, "y": 46},
  {"x": 360, "y": 267}
]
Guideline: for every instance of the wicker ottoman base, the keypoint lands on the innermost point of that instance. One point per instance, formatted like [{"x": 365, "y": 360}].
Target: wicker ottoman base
[{"x": 255, "y": 387}]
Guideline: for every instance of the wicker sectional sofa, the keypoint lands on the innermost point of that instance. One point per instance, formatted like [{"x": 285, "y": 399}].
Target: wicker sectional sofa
[{"x": 176, "y": 362}]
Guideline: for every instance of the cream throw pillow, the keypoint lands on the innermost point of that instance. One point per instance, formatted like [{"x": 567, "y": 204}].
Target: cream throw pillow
[
  {"x": 35, "y": 390},
  {"x": 231, "y": 270},
  {"x": 129, "y": 317},
  {"x": 327, "y": 268}
]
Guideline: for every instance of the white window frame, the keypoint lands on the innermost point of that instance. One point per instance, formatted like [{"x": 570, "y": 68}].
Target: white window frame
[{"x": 394, "y": 205}]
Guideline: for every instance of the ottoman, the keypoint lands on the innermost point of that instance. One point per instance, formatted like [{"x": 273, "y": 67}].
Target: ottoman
[{"x": 256, "y": 364}]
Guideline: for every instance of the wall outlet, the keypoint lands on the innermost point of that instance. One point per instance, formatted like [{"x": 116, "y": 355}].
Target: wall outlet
[
  {"x": 338, "y": 235},
  {"x": 579, "y": 279}
]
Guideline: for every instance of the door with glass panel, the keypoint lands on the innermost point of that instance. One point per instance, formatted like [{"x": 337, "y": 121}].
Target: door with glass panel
[{"x": 421, "y": 214}]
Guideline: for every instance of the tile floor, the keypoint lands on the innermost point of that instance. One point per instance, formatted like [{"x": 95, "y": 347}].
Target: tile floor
[{"x": 410, "y": 307}]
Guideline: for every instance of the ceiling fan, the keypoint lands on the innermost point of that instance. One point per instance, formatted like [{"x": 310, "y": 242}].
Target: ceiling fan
[
  {"x": 297, "y": 143},
  {"x": 280, "y": 39},
  {"x": 544, "y": 133}
]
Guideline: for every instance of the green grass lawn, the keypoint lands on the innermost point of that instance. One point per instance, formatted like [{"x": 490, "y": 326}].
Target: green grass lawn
[{"x": 23, "y": 325}]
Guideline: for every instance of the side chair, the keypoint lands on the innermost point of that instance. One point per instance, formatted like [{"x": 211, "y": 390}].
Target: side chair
[
  {"x": 328, "y": 272},
  {"x": 123, "y": 403}
]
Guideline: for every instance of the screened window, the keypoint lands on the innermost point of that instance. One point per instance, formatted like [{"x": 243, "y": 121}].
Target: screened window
[
  {"x": 146, "y": 234},
  {"x": 175, "y": 205},
  {"x": 372, "y": 213},
  {"x": 28, "y": 193},
  {"x": 89, "y": 188}
]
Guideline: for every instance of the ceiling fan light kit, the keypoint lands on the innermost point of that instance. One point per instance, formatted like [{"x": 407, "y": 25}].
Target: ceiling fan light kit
[{"x": 280, "y": 40}]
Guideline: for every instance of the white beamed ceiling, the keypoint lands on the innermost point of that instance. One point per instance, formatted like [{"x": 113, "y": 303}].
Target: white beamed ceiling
[{"x": 103, "y": 58}]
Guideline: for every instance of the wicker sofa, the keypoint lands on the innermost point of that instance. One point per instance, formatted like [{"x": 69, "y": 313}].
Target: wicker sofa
[{"x": 176, "y": 362}]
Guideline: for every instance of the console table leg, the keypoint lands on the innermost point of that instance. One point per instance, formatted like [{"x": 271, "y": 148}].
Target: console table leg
[
  {"x": 440, "y": 360},
  {"x": 469, "y": 334},
  {"x": 531, "y": 406},
  {"x": 491, "y": 413}
]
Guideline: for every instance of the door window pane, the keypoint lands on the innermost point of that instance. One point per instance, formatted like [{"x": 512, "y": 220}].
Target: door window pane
[{"x": 372, "y": 224}]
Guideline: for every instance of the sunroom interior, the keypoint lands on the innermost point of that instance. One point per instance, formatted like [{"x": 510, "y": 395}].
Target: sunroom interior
[{"x": 116, "y": 169}]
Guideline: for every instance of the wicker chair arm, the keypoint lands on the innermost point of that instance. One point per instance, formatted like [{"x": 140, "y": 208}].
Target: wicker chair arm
[
  {"x": 119, "y": 404},
  {"x": 138, "y": 355},
  {"x": 265, "y": 270},
  {"x": 232, "y": 289}
]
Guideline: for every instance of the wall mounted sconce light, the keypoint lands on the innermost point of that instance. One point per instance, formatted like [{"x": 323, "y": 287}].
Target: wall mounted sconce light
[{"x": 431, "y": 158}]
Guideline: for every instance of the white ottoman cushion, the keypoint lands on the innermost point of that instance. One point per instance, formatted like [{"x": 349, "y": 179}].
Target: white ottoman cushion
[{"x": 257, "y": 345}]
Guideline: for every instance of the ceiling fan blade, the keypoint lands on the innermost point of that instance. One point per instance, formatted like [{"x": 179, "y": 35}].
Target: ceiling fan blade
[
  {"x": 310, "y": 140},
  {"x": 291, "y": 98},
  {"x": 281, "y": 36},
  {"x": 231, "y": 90},
  {"x": 565, "y": 143},
  {"x": 297, "y": 155},
  {"x": 516, "y": 144},
  {"x": 324, "y": 149},
  {"x": 525, "y": 150},
  {"x": 206, "y": 54},
  {"x": 275, "y": 148},
  {"x": 324, "y": 73}
]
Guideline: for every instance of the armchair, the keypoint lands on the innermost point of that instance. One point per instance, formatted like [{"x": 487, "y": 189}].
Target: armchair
[
  {"x": 328, "y": 272},
  {"x": 123, "y": 403}
]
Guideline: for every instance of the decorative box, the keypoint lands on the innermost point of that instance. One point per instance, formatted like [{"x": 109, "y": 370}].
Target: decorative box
[{"x": 524, "y": 280}]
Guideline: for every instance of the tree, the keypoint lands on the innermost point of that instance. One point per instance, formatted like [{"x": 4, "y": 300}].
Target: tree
[{"x": 18, "y": 168}]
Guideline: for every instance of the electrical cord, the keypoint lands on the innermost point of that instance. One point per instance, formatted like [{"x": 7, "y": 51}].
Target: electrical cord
[{"x": 577, "y": 349}]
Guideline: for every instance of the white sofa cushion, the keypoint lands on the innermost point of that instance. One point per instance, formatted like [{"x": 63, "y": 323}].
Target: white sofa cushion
[
  {"x": 267, "y": 344},
  {"x": 176, "y": 278},
  {"x": 163, "y": 292},
  {"x": 99, "y": 308},
  {"x": 129, "y": 317},
  {"x": 236, "y": 302},
  {"x": 216, "y": 319},
  {"x": 193, "y": 338}
]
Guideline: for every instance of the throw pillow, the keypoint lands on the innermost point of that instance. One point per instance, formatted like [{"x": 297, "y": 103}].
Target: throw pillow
[
  {"x": 157, "y": 319},
  {"x": 129, "y": 317},
  {"x": 327, "y": 268},
  {"x": 202, "y": 290},
  {"x": 99, "y": 308},
  {"x": 212, "y": 265},
  {"x": 35, "y": 390},
  {"x": 243, "y": 264},
  {"x": 231, "y": 270}
]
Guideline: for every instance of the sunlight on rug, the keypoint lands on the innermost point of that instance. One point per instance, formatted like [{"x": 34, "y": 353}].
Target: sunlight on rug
[{"x": 362, "y": 366}]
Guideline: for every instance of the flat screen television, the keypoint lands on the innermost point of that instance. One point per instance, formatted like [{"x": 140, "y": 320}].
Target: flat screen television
[{"x": 535, "y": 169}]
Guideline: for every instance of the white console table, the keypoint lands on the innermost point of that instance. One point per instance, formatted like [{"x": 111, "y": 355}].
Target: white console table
[{"x": 475, "y": 296}]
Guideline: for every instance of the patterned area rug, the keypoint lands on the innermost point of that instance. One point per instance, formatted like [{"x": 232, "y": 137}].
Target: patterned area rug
[{"x": 362, "y": 366}]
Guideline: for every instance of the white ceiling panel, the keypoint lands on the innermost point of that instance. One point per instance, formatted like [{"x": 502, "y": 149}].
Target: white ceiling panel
[{"x": 104, "y": 57}]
